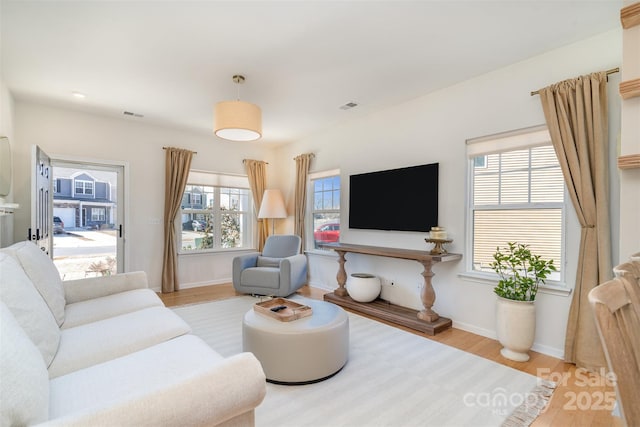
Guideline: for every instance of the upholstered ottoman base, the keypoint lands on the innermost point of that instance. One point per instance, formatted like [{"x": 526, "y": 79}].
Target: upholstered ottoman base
[{"x": 302, "y": 351}]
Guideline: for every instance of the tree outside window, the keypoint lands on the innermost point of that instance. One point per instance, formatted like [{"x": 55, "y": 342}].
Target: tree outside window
[{"x": 215, "y": 218}]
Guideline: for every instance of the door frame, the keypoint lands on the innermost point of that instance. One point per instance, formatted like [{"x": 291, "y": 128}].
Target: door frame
[{"x": 89, "y": 161}]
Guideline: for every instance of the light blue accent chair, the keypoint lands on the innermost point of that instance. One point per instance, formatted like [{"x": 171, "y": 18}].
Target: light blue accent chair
[{"x": 279, "y": 270}]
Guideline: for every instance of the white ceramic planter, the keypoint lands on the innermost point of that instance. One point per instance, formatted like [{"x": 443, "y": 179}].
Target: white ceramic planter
[
  {"x": 516, "y": 327},
  {"x": 363, "y": 287}
]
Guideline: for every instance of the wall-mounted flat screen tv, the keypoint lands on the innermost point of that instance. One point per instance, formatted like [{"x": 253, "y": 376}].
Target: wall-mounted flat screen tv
[{"x": 404, "y": 199}]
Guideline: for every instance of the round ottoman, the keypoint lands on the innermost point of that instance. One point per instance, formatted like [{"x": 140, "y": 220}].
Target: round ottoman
[{"x": 302, "y": 351}]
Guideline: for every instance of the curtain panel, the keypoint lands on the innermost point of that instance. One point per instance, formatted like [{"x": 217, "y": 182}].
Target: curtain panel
[
  {"x": 177, "y": 165},
  {"x": 257, "y": 173},
  {"x": 576, "y": 114},
  {"x": 300, "y": 200}
]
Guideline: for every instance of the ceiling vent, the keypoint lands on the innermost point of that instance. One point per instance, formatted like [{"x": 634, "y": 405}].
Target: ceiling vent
[
  {"x": 348, "y": 106},
  {"x": 129, "y": 113}
]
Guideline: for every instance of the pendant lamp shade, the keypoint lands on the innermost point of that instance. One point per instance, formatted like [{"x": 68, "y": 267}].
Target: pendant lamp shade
[{"x": 237, "y": 120}]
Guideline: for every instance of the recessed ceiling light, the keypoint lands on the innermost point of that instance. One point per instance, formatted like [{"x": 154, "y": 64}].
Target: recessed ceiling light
[{"x": 79, "y": 95}]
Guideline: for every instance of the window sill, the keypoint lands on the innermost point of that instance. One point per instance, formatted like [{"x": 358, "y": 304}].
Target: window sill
[
  {"x": 216, "y": 251},
  {"x": 551, "y": 288}
]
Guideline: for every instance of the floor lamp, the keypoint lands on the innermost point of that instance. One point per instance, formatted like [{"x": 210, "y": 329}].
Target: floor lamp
[{"x": 272, "y": 207}]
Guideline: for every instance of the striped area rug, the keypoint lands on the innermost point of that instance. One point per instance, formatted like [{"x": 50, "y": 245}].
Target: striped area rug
[{"x": 392, "y": 378}]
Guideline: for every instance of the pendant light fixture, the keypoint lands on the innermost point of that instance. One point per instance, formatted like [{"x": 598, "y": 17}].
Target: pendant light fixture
[{"x": 237, "y": 120}]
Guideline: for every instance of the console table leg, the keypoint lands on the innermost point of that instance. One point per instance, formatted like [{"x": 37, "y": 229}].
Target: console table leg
[
  {"x": 342, "y": 276},
  {"x": 428, "y": 295}
]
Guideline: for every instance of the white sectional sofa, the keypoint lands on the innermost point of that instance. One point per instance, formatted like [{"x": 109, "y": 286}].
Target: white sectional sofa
[{"x": 106, "y": 351}]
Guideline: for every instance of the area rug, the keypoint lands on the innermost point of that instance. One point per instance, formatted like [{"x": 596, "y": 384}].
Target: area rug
[{"x": 392, "y": 378}]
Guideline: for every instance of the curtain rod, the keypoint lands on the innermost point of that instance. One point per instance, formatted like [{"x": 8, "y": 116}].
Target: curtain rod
[
  {"x": 312, "y": 155},
  {"x": 611, "y": 71},
  {"x": 245, "y": 161},
  {"x": 166, "y": 148}
]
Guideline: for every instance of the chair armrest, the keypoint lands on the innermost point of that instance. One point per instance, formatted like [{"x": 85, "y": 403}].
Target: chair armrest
[
  {"x": 242, "y": 262},
  {"x": 294, "y": 268},
  {"x": 211, "y": 396},
  {"x": 96, "y": 287}
]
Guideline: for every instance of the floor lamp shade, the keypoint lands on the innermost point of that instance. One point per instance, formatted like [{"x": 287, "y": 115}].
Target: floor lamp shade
[
  {"x": 237, "y": 121},
  {"x": 272, "y": 205}
]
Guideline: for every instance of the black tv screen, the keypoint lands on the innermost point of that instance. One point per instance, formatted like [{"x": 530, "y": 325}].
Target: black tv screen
[{"x": 404, "y": 199}]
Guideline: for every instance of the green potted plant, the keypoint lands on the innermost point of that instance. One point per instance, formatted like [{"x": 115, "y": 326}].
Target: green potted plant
[{"x": 521, "y": 272}]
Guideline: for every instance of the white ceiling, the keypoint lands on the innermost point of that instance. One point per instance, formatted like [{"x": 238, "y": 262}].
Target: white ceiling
[{"x": 171, "y": 61}]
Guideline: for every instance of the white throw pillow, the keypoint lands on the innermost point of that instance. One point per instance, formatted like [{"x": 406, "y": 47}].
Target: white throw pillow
[
  {"x": 28, "y": 307},
  {"x": 24, "y": 391},
  {"x": 43, "y": 274}
]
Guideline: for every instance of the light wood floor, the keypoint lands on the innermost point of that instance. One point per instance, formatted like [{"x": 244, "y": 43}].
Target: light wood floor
[{"x": 582, "y": 399}]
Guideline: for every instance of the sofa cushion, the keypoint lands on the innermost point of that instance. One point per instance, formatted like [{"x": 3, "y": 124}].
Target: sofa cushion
[
  {"x": 143, "y": 371},
  {"x": 28, "y": 307},
  {"x": 44, "y": 275},
  {"x": 101, "y": 308},
  {"x": 263, "y": 277},
  {"x": 100, "y": 341},
  {"x": 24, "y": 395}
]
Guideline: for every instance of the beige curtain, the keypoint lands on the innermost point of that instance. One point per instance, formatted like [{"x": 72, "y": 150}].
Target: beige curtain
[
  {"x": 177, "y": 165},
  {"x": 576, "y": 114},
  {"x": 257, "y": 173},
  {"x": 302, "y": 173}
]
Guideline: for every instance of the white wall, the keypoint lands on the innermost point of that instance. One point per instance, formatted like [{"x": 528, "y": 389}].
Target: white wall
[
  {"x": 630, "y": 144},
  {"x": 62, "y": 132},
  {"x": 433, "y": 128},
  {"x": 6, "y": 129}
]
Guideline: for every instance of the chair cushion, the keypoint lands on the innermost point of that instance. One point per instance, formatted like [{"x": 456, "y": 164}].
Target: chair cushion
[
  {"x": 282, "y": 246},
  {"x": 28, "y": 307},
  {"x": 261, "y": 277},
  {"x": 265, "y": 261},
  {"x": 24, "y": 395},
  {"x": 92, "y": 310},
  {"x": 44, "y": 275}
]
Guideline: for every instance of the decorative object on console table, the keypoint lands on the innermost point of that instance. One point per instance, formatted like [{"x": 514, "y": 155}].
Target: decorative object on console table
[
  {"x": 521, "y": 272},
  {"x": 425, "y": 320},
  {"x": 363, "y": 287},
  {"x": 438, "y": 249}
]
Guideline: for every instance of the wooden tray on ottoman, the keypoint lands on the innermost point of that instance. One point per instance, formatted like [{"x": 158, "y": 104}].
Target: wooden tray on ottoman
[{"x": 293, "y": 310}]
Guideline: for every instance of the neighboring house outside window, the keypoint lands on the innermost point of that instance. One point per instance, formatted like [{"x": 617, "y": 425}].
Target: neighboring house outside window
[
  {"x": 516, "y": 194},
  {"x": 84, "y": 187},
  {"x": 216, "y": 213},
  {"x": 324, "y": 203}
]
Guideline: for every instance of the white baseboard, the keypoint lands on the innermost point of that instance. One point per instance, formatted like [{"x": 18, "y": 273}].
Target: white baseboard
[
  {"x": 475, "y": 330},
  {"x": 199, "y": 284},
  {"x": 205, "y": 283},
  {"x": 544, "y": 349}
]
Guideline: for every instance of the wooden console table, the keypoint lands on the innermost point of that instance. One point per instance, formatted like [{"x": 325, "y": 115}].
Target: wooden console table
[{"x": 425, "y": 320}]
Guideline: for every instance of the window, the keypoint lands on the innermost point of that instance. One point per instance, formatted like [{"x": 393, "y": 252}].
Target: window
[
  {"x": 98, "y": 214},
  {"x": 325, "y": 208},
  {"x": 216, "y": 217},
  {"x": 516, "y": 194},
  {"x": 56, "y": 185},
  {"x": 84, "y": 187}
]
